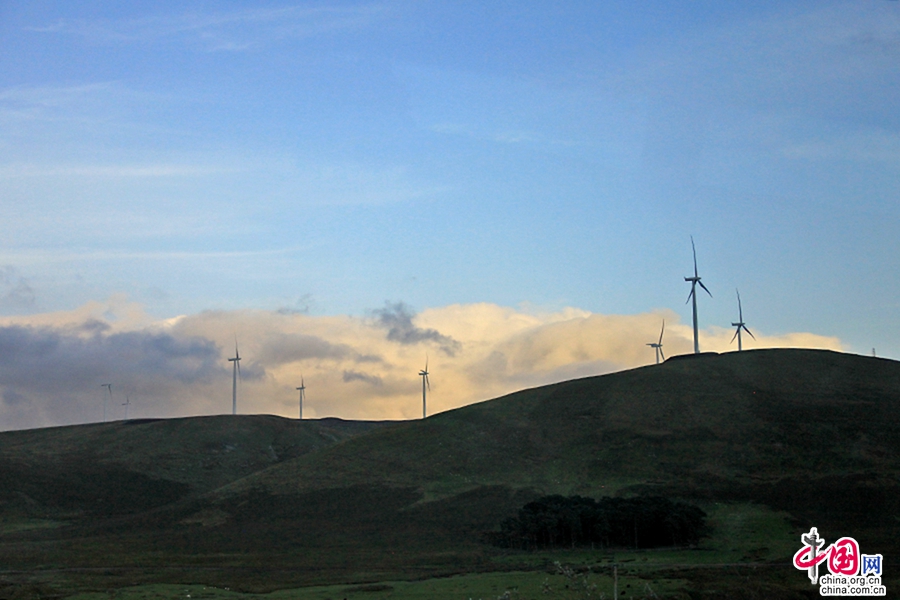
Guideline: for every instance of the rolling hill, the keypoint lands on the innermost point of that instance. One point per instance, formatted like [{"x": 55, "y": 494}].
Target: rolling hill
[
  {"x": 129, "y": 466},
  {"x": 265, "y": 502}
]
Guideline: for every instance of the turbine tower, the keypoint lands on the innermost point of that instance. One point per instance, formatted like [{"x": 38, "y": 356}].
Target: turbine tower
[
  {"x": 424, "y": 375},
  {"x": 302, "y": 390},
  {"x": 234, "y": 377},
  {"x": 658, "y": 345},
  {"x": 693, "y": 295},
  {"x": 108, "y": 386},
  {"x": 740, "y": 324}
]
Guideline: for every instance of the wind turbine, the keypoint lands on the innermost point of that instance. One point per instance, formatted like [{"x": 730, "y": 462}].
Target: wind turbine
[
  {"x": 693, "y": 295},
  {"x": 301, "y": 389},
  {"x": 125, "y": 404},
  {"x": 740, "y": 324},
  {"x": 658, "y": 345},
  {"x": 234, "y": 377},
  {"x": 424, "y": 375},
  {"x": 108, "y": 386}
]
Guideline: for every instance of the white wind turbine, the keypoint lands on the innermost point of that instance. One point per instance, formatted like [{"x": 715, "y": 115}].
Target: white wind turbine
[
  {"x": 424, "y": 375},
  {"x": 234, "y": 377},
  {"x": 658, "y": 345},
  {"x": 126, "y": 404},
  {"x": 108, "y": 386},
  {"x": 302, "y": 390},
  {"x": 740, "y": 324},
  {"x": 693, "y": 295}
]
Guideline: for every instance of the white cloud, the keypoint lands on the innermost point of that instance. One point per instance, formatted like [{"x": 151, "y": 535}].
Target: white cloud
[{"x": 54, "y": 363}]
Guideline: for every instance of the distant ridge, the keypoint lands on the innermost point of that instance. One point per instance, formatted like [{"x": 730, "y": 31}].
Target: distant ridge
[
  {"x": 202, "y": 453},
  {"x": 691, "y": 356}
]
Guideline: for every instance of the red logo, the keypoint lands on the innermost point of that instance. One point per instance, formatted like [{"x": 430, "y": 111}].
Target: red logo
[{"x": 842, "y": 556}]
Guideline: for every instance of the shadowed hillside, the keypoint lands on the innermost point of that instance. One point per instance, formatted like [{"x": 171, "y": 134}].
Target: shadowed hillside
[
  {"x": 724, "y": 421},
  {"x": 808, "y": 436},
  {"x": 130, "y": 466}
]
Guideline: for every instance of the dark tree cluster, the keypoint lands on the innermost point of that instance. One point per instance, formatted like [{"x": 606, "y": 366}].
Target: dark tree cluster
[{"x": 642, "y": 522}]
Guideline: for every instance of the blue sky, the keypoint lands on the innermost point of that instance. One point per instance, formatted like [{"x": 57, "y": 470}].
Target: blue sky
[{"x": 323, "y": 159}]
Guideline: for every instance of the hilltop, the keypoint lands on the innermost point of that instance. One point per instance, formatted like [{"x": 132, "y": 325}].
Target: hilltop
[{"x": 809, "y": 437}]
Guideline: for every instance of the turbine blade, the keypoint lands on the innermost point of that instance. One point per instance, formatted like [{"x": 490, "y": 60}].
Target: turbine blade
[
  {"x": 735, "y": 335},
  {"x": 661, "y": 354},
  {"x": 689, "y": 295},
  {"x": 704, "y": 287},
  {"x": 661, "y": 332},
  {"x": 694, "y": 250},
  {"x": 427, "y": 383},
  {"x": 748, "y": 331},
  {"x": 740, "y": 312}
]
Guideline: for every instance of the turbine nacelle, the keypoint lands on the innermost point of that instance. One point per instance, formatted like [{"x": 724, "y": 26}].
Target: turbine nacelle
[
  {"x": 740, "y": 324},
  {"x": 658, "y": 345},
  {"x": 424, "y": 372},
  {"x": 236, "y": 372},
  {"x": 302, "y": 390},
  {"x": 694, "y": 282},
  {"x": 426, "y": 385},
  {"x": 739, "y": 327},
  {"x": 693, "y": 295}
]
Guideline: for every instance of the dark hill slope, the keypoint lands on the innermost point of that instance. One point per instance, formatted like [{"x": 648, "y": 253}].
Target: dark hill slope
[
  {"x": 129, "y": 466},
  {"x": 813, "y": 433},
  {"x": 716, "y": 422}
]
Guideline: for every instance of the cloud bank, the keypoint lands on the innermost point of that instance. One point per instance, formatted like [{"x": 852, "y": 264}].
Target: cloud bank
[{"x": 52, "y": 365}]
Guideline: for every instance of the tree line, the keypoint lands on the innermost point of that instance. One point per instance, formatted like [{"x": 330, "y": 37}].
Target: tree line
[{"x": 640, "y": 522}]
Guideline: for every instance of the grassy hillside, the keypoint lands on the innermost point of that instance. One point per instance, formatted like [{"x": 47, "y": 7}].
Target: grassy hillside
[
  {"x": 130, "y": 466},
  {"x": 768, "y": 442},
  {"x": 729, "y": 421}
]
